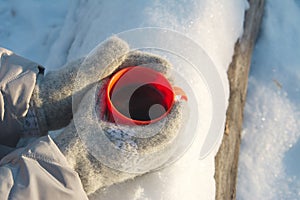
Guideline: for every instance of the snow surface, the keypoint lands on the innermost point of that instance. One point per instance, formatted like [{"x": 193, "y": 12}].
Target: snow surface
[
  {"x": 55, "y": 32},
  {"x": 269, "y": 160}
]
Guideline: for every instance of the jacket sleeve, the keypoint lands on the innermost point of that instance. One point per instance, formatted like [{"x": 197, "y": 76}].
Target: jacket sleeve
[
  {"x": 39, "y": 171},
  {"x": 17, "y": 81}
]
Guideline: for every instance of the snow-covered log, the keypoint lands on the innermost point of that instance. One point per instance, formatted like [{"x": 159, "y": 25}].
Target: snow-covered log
[{"x": 226, "y": 160}]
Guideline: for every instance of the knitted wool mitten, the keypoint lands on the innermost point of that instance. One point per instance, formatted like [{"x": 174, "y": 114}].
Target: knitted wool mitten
[
  {"x": 52, "y": 96},
  {"x": 104, "y": 153}
]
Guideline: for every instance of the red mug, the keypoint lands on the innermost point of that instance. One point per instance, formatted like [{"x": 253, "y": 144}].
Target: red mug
[{"x": 140, "y": 95}]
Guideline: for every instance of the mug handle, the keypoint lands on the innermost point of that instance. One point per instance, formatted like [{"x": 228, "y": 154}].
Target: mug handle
[{"x": 180, "y": 94}]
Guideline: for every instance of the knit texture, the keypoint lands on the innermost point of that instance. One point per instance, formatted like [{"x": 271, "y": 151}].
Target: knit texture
[{"x": 52, "y": 95}]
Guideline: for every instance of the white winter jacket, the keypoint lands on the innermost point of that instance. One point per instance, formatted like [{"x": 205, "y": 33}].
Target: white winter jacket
[{"x": 38, "y": 171}]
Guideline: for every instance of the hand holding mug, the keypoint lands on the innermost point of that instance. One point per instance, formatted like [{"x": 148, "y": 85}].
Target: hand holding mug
[{"x": 118, "y": 143}]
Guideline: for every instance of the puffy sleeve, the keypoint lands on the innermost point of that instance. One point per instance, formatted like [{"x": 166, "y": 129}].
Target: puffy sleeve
[
  {"x": 18, "y": 78},
  {"x": 39, "y": 171}
]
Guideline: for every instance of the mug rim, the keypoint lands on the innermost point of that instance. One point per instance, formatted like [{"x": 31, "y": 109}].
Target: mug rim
[{"x": 123, "y": 118}]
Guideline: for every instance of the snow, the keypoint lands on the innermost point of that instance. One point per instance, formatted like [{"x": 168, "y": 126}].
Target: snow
[
  {"x": 269, "y": 159},
  {"x": 30, "y": 27},
  {"x": 53, "y": 33}
]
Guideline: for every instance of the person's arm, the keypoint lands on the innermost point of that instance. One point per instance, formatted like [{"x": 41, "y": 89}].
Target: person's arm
[
  {"x": 39, "y": 171},
  {"x": 18, "y": 78}
]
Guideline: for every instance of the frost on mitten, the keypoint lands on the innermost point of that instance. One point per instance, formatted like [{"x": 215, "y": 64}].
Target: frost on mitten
[{"x": 104, "y": 153}]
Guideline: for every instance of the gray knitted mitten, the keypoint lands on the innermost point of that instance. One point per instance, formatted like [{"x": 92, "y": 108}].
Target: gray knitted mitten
[
  {"x": 52, "y": 96},
  {"x": 105, "y": 153}
]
